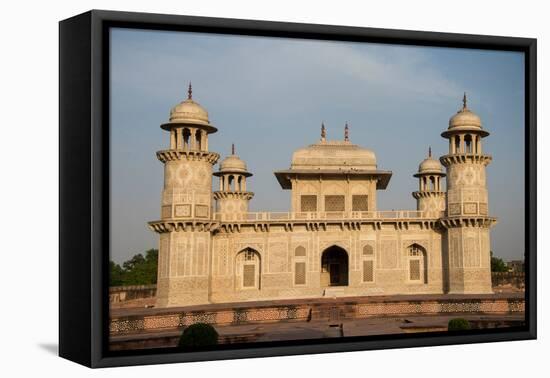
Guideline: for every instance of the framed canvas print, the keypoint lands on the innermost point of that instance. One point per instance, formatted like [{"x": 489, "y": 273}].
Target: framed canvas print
[{"x": 234, "y": 188}]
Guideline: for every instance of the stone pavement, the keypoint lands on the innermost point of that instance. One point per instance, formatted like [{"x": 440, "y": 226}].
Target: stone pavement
[{"x": 284, "y": 331}]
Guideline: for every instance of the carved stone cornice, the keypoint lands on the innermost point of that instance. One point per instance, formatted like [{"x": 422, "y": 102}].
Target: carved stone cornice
[
  {"x": 233, "y": 195},
  {"x": 427, "y": 194},
  {"x": 448, "y": 160},
  {"x": 192, "y": 155},
  {"x": 461, "y": 221},
  {"x": 164, "y": 226},
  {"x": 345, "y": 225}
]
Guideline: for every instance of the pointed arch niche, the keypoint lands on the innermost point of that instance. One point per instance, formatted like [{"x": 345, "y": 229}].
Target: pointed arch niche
[
  {"x": 248, "y": 270},
  {"x": 417, "y": 271}
]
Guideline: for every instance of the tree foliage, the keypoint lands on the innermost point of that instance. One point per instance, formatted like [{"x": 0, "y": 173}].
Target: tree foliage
[
  {"x": 497, "y": 264},
  {"x": 139, "y": 270},
  {"x": 198, "y": 335},
  {"x": 458, "y": 324}
]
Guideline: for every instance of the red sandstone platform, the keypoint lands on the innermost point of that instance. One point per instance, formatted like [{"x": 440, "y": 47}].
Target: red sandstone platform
[
  {"x": 116, "y": 312},
  {"x": 137, "y": 320},
  {"x": 285, "y": 331}
]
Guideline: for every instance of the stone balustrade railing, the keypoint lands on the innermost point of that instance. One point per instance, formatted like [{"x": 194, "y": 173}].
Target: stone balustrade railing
[{"x": 324, "y": 216}]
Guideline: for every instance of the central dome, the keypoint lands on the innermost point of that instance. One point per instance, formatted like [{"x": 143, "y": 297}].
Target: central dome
[{"x": 334, "y": 155}]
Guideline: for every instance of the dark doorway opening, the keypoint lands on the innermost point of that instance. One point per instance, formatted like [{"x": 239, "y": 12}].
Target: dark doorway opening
[{"x": 334, "y": 267}]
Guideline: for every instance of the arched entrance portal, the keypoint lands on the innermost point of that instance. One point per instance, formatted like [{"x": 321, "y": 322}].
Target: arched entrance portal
[{"x": 334, "y": 267}]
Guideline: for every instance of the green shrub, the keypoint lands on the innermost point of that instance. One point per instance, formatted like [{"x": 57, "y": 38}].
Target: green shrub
[
  {"x": 198, "y": 335},
  {"x": 458, "y": 324}
]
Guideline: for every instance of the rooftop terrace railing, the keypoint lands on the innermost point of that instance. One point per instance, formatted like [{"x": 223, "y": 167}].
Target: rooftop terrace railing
[{"x": 323, "y": 216}]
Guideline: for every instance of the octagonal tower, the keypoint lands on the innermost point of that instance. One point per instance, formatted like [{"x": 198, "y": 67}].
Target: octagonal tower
[
  {"x": 430, "y": 196},
  {"x": 186, "y": 207},
  {"x": 467, "y": 220},
  {"x": 232, "y": 198}
]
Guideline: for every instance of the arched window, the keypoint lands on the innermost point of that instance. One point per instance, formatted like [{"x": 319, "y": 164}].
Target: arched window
[
  {"x": 368, "y": 263},
  {"x": 300, "y": 252},
  {"x": 248, "y": 269},
  {"x": 198, "y": 140},
  {"x": 457, "y": 144},
  {"x": 186, "y": 135},
  {"x": 300, "y": 266},
  {"x": 418, "y": 266},
  {"x": 173, "y": 139},
  {"x": 368, "y": 251},
  {"x": 468, "y": 144}
]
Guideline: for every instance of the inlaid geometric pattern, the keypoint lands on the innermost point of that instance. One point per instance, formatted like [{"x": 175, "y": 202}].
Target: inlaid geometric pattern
[
  {"x": 308, "y": 203},
  {"x": 414, "y": 270},
  {"x": 166, "y": 211},
  {"x": 300, "y": 252},
  {"x": 471, "y": 252},
  {"x": 360, "y": 203},
  {"x": 483, "y": 208},
  {"x": 334, "y": 203},
  {"x": 300, "y": 273},
  {"x": 249, "y": 275},
  {"x": 388, "y": 254},
  {"x": 368, "y": 271},
  {"x": 454, "y": 209},
  {"x": 183, "y": 210},
  {"x": 201, "y": 211},
  {"x": 163, "y": 256},
  {"x": 125, "y": 325},
  {"x": 368, "y": 250},
  {"x": 249, "y": 255},
  {"x": 470, "y": 208},
  {"x": 415, "y": 251}
]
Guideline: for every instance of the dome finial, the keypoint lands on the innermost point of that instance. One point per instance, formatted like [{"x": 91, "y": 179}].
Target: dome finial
[
  {"x": 323, "y": 132},
  {"x": 190, "y": 92},
  {"x": 430, "y": 151},
  {"x": 232, "y": 148},
  {"x": 464, "y": 102},
  {"x": 346, "y": 132}
]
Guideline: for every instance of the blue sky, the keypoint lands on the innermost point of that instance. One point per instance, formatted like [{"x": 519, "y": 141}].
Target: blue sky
[{"x": 269, "y": 97}]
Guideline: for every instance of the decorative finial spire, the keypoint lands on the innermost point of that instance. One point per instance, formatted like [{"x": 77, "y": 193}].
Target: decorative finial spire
[
  {"x": 190, "y": 92},
  {"x": 430, "y": 151},
  {"x": 323, "y": 132},
  {"x": 346, "y": 132},
  {"x": 464, "y": 102},
  {"x": 232, "y": 148}
]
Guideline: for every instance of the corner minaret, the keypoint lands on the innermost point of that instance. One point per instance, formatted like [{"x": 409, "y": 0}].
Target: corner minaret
[
  {"x": 186, "y": 207},
  {"x": 467, "y": 220},
  {"x": 232, "y": 198},
  {"x": 430, "y": 197}
]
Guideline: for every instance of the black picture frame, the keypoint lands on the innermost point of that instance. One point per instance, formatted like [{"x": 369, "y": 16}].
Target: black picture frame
[{"x": 84, "y": 184}]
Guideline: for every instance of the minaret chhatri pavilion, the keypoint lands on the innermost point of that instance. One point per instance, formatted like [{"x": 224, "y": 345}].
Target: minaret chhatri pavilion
[
  {"x": 186, "y": 207},
  {"x": 467, "y": 219},
  {"x": 430, "y": 196},
  {"x": 232, "y": 198}
]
